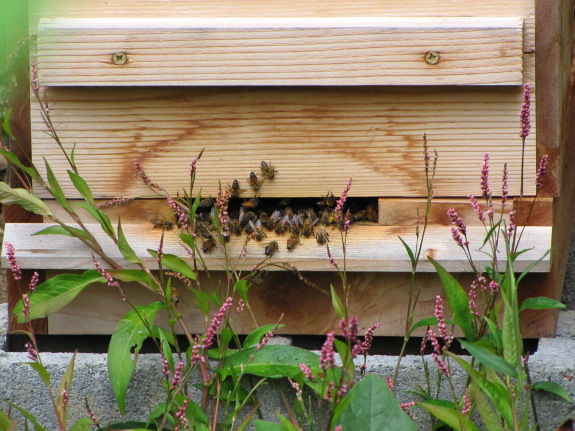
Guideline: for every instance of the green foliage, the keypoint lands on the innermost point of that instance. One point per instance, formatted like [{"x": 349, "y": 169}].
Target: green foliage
[{"x": 24, "y": 198}]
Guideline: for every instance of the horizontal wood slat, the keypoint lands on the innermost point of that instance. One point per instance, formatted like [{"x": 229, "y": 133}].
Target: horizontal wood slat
[
  {"x": 318, "y": 138},
  {"x": 280, "y": 51},
  {"x": 369, "y": 248}
]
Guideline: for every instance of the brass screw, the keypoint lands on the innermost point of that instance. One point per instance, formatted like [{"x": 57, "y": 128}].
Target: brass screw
[
  {"x": 119, "y": 58},
  {"x": 432, "y": 57}
]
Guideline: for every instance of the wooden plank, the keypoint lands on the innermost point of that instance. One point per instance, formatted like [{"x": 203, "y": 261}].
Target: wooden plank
[
  {"x": 403, "y": 211},
  {"x": 280, "y": 51},
  {"x": 375, "y": 297},
  {"x": 318, "y": 138},
  {"x": 369, "y": 248}
]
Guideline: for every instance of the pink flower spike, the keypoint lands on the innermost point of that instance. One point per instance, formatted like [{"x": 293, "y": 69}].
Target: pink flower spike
[
  {"x": 485, "y": 177},
  {"x": 466, "y": 404},
  {"x": 194, "y": 162},
  {"x": 525, "y": 114},
  {"x": 341, "y": 202},
  {"x": 441, "y": 326},
  {"x": 14, "y": 267},
  {"x": 32, "y": 352},
  {"x": 389, "y": 382},
  {"x": 504, "y": 186},
  {"x": 177, "y": 375},
  {"x": 348, "y": 327},
  {"x": 457, "y": 221},
  {"x": 145, "y": 177},
  {"x": 512, "y": 222},
  {"x": 327, "y": 357},
  {"x": 306, "y": 371},
  {"x": 541, "y": 171},
  {"x": 476, "y": 208},
  {"x": 216, "y": 322}
]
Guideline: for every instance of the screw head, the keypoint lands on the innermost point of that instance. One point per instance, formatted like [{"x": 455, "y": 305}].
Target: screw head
[
  {"x": 119, "y": 58},
  {"x": 432, "y": 57}
]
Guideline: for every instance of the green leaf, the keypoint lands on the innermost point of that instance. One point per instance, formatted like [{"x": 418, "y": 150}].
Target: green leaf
[
  {"x": 6, "y": 124},
  {"x": 29, "y": 416},
  {"x": 269, "y": 426},
  {"x": 42, "y": 372},
  {"x": 345, "y": 355},
  {"x": 82, "y": 424},
  {"x": 371, "y": 406},
  {"x": 55, "y": 188},
  {"x": 6, "y": 423},
  {"x": 495, "y": 332},
  {"x": 82, "y": 186},
  {"x": 66, "y": 383},
  {"x": 56, "y": 293},
  {"x": 127, "y": 251},
  {"x": 336, "y": 303},
  {"x": 428, "y": 321},
  {"x": 408, "y": 250},
  {"x": 490, "y": 233},
  {"x": 13, "y": 158},
  {"x": 175, "y": 263},
  {"x": 490, "y": 419},
  {"x": 189, "y": 240},
  {"x": 59, "y": 230},
  {"x": 509, "y": 334},
  {"x": 455, "y": 419},
  {"x": 541, "y": 303},
  {"x": 552, "y": 387},
  {"x": 202, "y": 300},
  {"x": 24, "y": 198},
  {"x": 489, "y": 359},
  {"x": 242, "y": 288},
  {"x": 129, "y": 334},
  {"x": 100, "y": 216},
  {"x": 458, "y": 301},
  {"x": 257, "y": 334},
  {"x": 129, "y": 275},
  {"x": 531, "y": 266}
]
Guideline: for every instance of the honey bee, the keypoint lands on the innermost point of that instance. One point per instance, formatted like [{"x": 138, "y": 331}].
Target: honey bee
[
  {"x": 328, "y": 200},
  {"x": 175, "y": 295},
  {"x": 208, "y": 244},
  {"x": 245, "y": 217},
  {"x": 295, "y": 229},
  {"x": 273, "y": 220},
  {"x": 327, "y": 217},
  {"x": 206, "y": 203},
  {"x": 322, "y": 236},
  {"x": 234, "y": 226},
  {"x": 259, "y": 235},
  {"x": 292, "y": 241},
  {"x": 251, "y": 203},
  {"x": 264, "y": 217},
  {"x": 308, "y": 224},
  {"x": 268, "y": 170},
  {"x": 359, "y": 216},
  {"x": 271, "y": 248},
  {"x": 371, "y": 213},
  {"x": 280, "y": 228},
  {"x": 254, "y": 182},
  {"x": 250, "y": 228},
  {"x": 258, "y": 277},
  {"x": 164, "y": 224},
  {"x": 235, "y": 189}
]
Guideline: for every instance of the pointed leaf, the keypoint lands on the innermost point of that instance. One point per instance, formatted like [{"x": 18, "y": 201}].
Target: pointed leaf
[
  {"x": 6, "y": 124},
  {"x": 56, "y": 293},
  {"x": 455, "y": 419},
  {"x": 55, "y": 188},
  {"x": 541, "y": 303},
  {"x": 175, "y": 263},
  {"x": 6, "y": 423},
  {"x": 129, "y": 275},
  {"x": 489, "y": 359},
  {"x": 66, "y": 383},
  {"x": 29, "y": 416},
  {"x": 82, "y": 424},
  {"x": 371, "y": 406},
  {"x": 100, "y": 216},
  {"x": 242, "y": 287},
  {"x": 127, "y": 251},
  {"x": 59, "y": 230},
  {"x": 408, "y": 250},
  {"x": 24, "y": 198},
  {"x": 336, "y": 303},
  {"x": 128, "y": 336},
  {"x": 552, "y": 387},
  {"x": 531, "y": 266},
  {"x": 202, "y": 300},
  {"x": 42, "y": 372},
  {"x": 82, "y": 186},
  {"x": 458, "y": 301},
  {"x": 257, "y": 334},
  {"x": 261, "y": 425},
  {"x": 13, "y": 158},
  {"x": 489, "y": 417}
]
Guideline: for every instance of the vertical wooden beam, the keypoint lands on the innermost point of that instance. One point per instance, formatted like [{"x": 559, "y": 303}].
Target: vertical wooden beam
[
  {"x": 556, "y": 137},
  {"x": 15, "y": 23}
]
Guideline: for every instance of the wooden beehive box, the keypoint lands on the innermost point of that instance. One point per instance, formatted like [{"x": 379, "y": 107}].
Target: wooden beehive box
[{"x": 327, "y": 91}]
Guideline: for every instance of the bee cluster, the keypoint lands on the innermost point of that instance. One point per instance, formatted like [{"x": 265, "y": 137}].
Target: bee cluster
[{"x": 295, "y": 218}]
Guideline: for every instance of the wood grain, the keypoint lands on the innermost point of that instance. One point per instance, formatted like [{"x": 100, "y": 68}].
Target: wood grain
[
  {"x": 318, "y": 138},
  {"x": 280, "y": 51},
  {"x": 369, "y": 248}
]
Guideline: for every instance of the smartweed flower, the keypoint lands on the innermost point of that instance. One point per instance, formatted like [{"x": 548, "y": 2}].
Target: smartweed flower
[
  {"x": 216, "y": 322},
  {"x": 14, "y": 267},
  {"x": 541, "y": 171},
  {"x": 327, "y": 356},
  {"x": 525, "y": 114}
]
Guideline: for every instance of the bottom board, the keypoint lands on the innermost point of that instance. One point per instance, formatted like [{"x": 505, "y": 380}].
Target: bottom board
[{"x": 375, "y": 297}]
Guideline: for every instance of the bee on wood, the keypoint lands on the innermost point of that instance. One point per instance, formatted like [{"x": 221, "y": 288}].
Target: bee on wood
[
  {"x": 281, "y": 227},
  {"x": 274, "y": 219},
  {"x": 208, "y": 244},
  {"x": 235, "y": 189},
  {"x": 371, "y": 213},
  {"x": 327, "y": 217},
  {"x": 359, "y": 216},
  {"x": 271, "y": 248},
  {"x": 268, "y": 170},
  {"x": 264, "y": 217},
  {"x": 328, "y": 200},
  {"x": 250, "y": 228},
  {"x": 254, "y": 182},
  {"x": 206, "y": 203},
  {"x": 251, "y": 203},
  {"x": 322, "y": 236},
  {"x": 292, "y": 241},
  {"x": 308, "y": 224},
  {"x": 246, "y": 217},
  {"x": 259, "y": 235},
  {"x": 164, "y": 224},
  {"x": 234, "y": 226}
]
